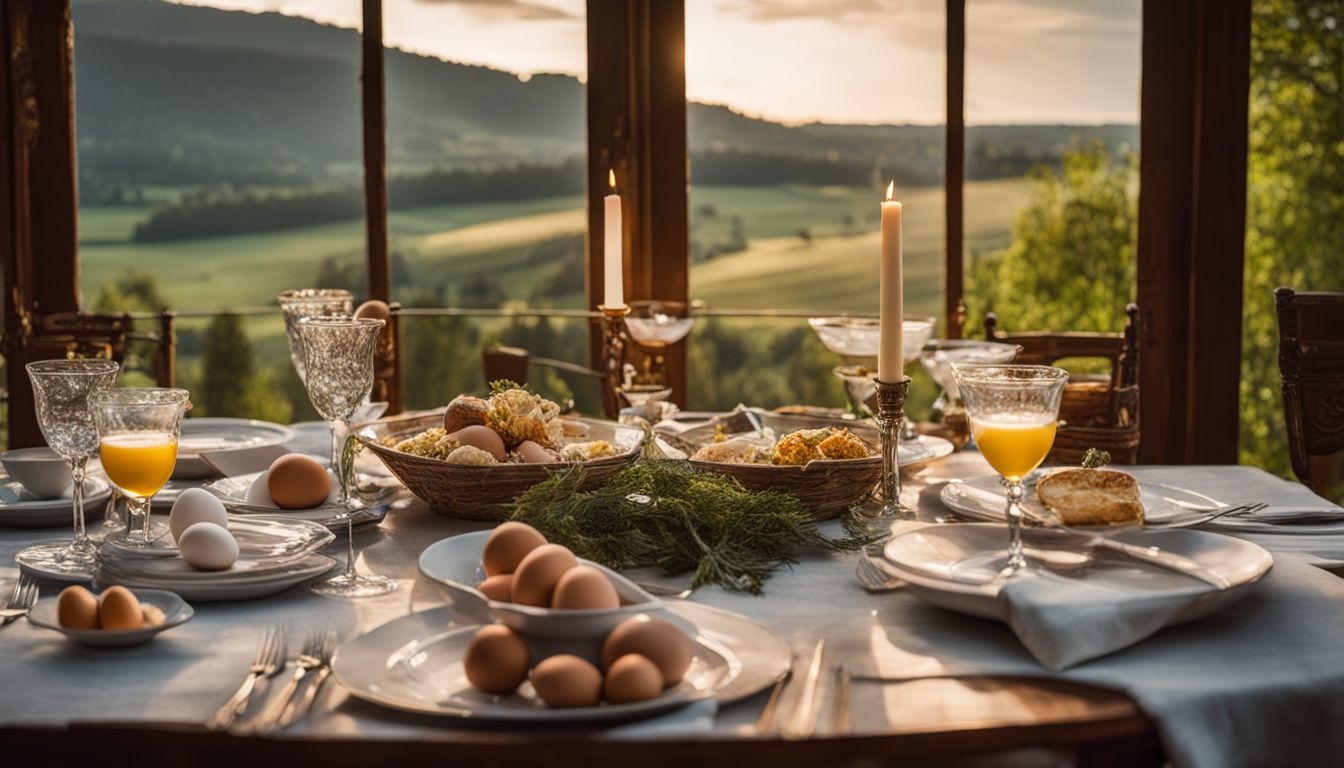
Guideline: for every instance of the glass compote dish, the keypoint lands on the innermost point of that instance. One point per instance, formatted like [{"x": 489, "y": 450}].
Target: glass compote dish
[
  {"x": 310, "y": 302},
  {"x": 938, "y": 356},
  {"x": 338, "y": 356},
  {"x": 138, "y": 431},
  {"x": 654, "y": 325},
  {"x": 856, "y": 340},
  {"x": 1013, "y": 411},
  {"x": 61, "y": 390}
]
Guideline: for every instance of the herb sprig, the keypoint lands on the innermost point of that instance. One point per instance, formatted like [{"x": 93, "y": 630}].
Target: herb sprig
[{"x": 665, "y": 514}]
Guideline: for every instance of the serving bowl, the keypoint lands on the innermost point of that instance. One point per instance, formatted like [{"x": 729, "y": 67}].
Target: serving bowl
[
  {"x": 480, "y": 493},
  {"x": 175, "y": 610},
  {"x": 454, "y": 565},
  {"x": 41, "y": 471}
]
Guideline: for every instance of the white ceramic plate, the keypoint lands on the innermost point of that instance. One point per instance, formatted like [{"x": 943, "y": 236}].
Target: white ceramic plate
[
  {"x": 379, "y": 666},
  {"x": 175, "y": 611},
  {"x": 982, "y": 498},
  {"x": 233, "y": 492},
  {"x": 454, "y": 564},
  {"x": 264, "y": 539},
  {"x": 222, "y": 434},
  {"x": 224, "y": 585},
  {"x": 945, "y": 565},
  {"x": 922, "y": 450},
  {"x": 18, "y": 508}
]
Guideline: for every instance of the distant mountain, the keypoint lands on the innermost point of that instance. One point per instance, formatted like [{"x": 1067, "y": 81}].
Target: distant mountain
[{"x": 170, "y": 94}]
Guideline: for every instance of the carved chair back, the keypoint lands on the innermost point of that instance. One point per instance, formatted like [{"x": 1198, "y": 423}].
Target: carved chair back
[{"x": 1311, "y": 362}]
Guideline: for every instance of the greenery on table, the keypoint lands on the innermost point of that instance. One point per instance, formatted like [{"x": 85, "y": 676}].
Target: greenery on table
[{"x": 665, "y": 514}]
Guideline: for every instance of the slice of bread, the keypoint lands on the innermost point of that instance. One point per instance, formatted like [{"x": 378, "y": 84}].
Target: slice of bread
[{"x": 1091, "y": 496}]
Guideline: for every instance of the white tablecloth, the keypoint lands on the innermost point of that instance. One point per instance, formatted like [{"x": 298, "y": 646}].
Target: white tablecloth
[{"x": 1261, "y": 683}]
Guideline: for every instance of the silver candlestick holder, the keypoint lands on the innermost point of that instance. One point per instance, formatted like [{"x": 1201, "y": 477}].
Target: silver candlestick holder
[{"x": 890, "y": 414}]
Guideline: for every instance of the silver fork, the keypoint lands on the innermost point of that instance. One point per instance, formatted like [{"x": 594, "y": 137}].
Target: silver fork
[
  {"x": 1234, "y": 509},
  {"x": 269, "y": 660},
  {"x": 21, "y": 600},
  {"x": 874, "y": 578},
  {"x": 268, "y": 719},
  {"x": 298, "y": 709}
]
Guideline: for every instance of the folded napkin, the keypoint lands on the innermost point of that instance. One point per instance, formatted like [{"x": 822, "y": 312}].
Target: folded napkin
[
  {"x": 1064, "y": 620},
  {"x": 687, "y": 721},
  {"x": 1313, "y": 532},
  {"x": 233, "y": 462}
]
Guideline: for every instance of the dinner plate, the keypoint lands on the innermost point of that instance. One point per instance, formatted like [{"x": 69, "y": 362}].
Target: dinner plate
[
  {"x": 18, "y": 508},
  {"x": 263, "y": 541},
  {"x": 222, "y": 434},
  {"x": 233, "y": 492},
  {"x": 175, "y": 610},
  {"x": 379, "y": 667},
  {"x": 946, "y": 565},
  {"x": 922, "y": 450},
  {"x": 982, "y": 498},
  {"x": 223, "y": 585}
]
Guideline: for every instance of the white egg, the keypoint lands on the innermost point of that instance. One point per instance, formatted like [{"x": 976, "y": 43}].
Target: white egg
[
  {"x": 259, "y": 493},
  {"x": 196, "y": 505},
  {"x": 208, "y": 547}
]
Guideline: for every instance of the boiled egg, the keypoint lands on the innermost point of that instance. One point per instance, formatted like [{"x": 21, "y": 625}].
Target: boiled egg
[
  {"x": 657, "y": 639},
  {"x": 584, "y": 587},
  {"x": 258, "y": 493},
  {"x": 374, "y": 309},
  {"x": 533, "y": 453},
  {"x": 482, "y": 437},
  {"x": 632, "y": 678},
  {"x": 208, "y": 547},
  {"x": 497, "y": 660},
  {"x": 564, "y": 681},
  {"x": 534, "y": 581},
  {"x": 298, "y": 481},
  {"x": 498, "y": 587},
  {"x": 119, "y": 609},
  {"x": 196, "y": 505},
  {"x": 77, "y": 608},
  {"x": 507, "y": 545}
]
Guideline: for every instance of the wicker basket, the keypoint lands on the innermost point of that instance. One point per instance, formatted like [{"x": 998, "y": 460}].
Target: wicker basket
[
  {"x": 827, "y": 488},
  {"x": 480, "y": 493}
]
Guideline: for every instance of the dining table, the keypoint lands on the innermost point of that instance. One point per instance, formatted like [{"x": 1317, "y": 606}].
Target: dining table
[{"x": 928, "y": 686}]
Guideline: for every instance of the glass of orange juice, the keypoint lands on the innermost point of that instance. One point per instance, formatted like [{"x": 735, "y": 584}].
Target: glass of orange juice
[
  {"x": 1012, "y": 410},
  {"x": 137, "y": 441}
]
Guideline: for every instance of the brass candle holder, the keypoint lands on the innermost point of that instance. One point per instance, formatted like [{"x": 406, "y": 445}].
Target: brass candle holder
[
  {"x": 613, "y": 347},
  {"x": 890, "y": 414}
]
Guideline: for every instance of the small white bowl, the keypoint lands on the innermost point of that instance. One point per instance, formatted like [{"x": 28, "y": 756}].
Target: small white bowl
[
  {"x": 454, "y": 564},
  {"x": 175, "y": 611},
  {"x": 41, "y": 471}
]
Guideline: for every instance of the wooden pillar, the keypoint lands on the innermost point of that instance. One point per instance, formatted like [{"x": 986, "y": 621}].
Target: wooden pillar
[
  {"x": 637, "y": 127},
  {"x": 1192, "y": 219},
  {"x": 954, "y": 171},
  {"x": 39, "y": 235},
  {"x": 378, "y": 263}
]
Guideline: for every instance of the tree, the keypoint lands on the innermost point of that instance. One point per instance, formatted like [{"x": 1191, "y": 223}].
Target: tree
[
  {"x": 1071, "y": 262},
  {"x": 1295, "y": 192},
  {"x": 229, "y": 384},
  {"x": 132, "y": 291}
]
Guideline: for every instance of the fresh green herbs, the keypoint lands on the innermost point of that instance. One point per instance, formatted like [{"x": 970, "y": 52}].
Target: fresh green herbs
[
  {"x": 665, "y": 514},
  {"x": 1095, "y": 459},
  {"x": 504, "y": 385}
]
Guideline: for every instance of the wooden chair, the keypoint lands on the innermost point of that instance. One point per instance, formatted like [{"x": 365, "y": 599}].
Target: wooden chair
[
  {"x": 106, "y": 335},
  {"x": 515, "y": 364},
  {"x": 1098, "y": 411},
  {"x": 1311, "y": 362}
]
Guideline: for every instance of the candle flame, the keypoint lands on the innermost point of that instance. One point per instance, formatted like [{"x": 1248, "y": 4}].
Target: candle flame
[
  {"x": 891, "y": 189},
  {"x": 611, "y": 177}
]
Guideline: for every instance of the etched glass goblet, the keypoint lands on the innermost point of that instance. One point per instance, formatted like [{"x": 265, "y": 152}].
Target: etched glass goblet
[
  {"x": 338, "y": 355},
  {"x": 310, "y": 302},
  {"x": 61, "y": 390},
  {"x": 138, "y": 429}
]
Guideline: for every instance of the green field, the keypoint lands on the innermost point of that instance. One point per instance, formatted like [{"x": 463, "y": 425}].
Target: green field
[{"x": 833, "y": 267}]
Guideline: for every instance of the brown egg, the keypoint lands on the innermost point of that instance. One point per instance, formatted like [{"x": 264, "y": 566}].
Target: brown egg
[
  {"x": 464, "y": 411},
  {"x": 296, "y": 481},
  {"x": 584, "y": 587},
  {"x": 659, "y": 640},
  {"x": 374, "y": 309},
  {"x": 632, "y": 678},
  {"x": 485, "y": 438},
  {"x": 534, "y": 581},
  {"x": 497, "y": 660},
  {"x": 567, "y": 681},
  {"x": 153, "y": 615},
  {"x": 119, "y": 609},
  {"x": 77, "y": 608},
  {"x": 498, "y": 587},
  {"x": 534, "y": 453},
  {"x": 507, "y": 546}
]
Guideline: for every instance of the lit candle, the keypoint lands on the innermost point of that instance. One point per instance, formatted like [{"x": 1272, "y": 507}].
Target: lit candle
[
  {"x": 890, "y": 361},
  {"x": 613, "y": 293}
]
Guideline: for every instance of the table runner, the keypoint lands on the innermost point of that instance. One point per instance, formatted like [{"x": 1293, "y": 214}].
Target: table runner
[{"x": 1254, "y": 685}]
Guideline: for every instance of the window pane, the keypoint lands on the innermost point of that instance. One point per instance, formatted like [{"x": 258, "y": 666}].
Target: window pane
[
  {"x": 1295, "y": 191},
  {"x": 1052, "y": 97},
  {"x": 219, "y": 163},
  {"x": 486, "y": 110},
  {"x": 799, "y": 115}
]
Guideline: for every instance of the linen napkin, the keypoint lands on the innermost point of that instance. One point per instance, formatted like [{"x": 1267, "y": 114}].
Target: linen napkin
[
  {"x": 1064, "y": 621},
  {"x": 233, "y": 462}
]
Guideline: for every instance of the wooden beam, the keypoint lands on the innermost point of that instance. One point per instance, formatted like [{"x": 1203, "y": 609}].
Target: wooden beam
[
  {"x": 637, "y": 127},
  {"x": 375, "y": 151},
  {"x": 954, "y": 170},
  {"x": 1192, "y": 218}
]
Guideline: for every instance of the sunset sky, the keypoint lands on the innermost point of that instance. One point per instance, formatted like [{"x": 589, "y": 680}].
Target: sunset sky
[{"x": 866, "y": 61}]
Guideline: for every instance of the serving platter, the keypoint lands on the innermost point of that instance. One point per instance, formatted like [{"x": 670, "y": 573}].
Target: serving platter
[
  {"x": 219, "y": 585},
  {"x": 982, "y": 498},
  {"x": 233, "y": 492}
]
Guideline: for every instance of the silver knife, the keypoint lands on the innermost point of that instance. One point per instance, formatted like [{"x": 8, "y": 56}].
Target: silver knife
[
  {"x": 1158, "y": 557},
  {"x": 804, "y": 720}
]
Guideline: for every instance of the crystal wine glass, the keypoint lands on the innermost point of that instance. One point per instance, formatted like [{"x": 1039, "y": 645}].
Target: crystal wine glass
[
  {"x": 137, "y": 431},
  {"x": 338, "y": 355},
  {"x": 1013, "y": 410},
  {"x": 61, "y": 390},
  {"x": 310, "y": 302}
]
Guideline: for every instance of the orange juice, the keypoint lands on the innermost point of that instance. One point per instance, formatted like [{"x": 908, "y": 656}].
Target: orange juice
[
  {"x": 139, "y": 463},
  {"x": 1014, "y": 444}
]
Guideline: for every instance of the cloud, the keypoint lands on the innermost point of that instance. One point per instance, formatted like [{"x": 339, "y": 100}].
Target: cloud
[
  {"x": 788, "y": 10},
  {"x": 520, "y": 10}
]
